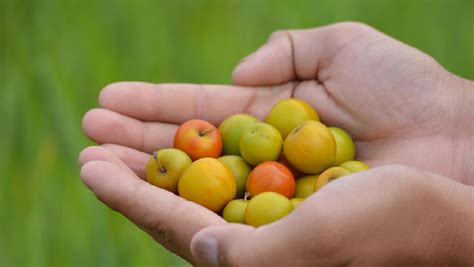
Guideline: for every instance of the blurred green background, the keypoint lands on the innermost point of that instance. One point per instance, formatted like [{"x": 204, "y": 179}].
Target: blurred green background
[{"x": 57, "y": 55}]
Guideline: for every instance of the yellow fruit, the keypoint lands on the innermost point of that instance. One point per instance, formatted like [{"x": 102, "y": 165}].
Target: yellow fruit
[
  {"x": 165, "y": 167},
  {"x": 289, "y": 113},
  {"x": 266, "y": 208},
  {"x": 296, "y": 202},
  {"x": 345, "y": 149},
  {"x": 310, "y": 147},
  {"x": 234, "y": 211},
  {"x": 329, "y": 175},
  {"x": 354, "y": 166},
  {"x": 209, "y": 183},
  {"x": 305, "y": 185}
]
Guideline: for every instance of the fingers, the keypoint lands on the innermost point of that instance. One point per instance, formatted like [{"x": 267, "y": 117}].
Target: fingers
[
  {"x": 134, "y": 159},
  {"x": 176, "y": 103},
  {"x": 297, "y": 54},
  {"x": 95, "y": 153},
  {"x": 105, "y": 126},
  {"x": 169, "y": 219}
]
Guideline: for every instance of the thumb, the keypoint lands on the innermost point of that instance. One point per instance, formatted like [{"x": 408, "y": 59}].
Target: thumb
[
  {"x": 276, "y": 244},
  {"x": 296, "y": 54}
]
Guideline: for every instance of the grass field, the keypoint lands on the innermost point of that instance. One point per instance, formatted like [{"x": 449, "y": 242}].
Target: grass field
[{"x": 55, "y": 56}]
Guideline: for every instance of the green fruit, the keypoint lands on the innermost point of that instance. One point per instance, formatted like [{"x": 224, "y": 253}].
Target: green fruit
[
  {"x": 165, "y": 167},
  {"x": 296, "y": 202},
  {"x": 260, "y": 142},
  {"x": 240, "y": 169},
  {"x": 305, "y": 185},
  {"x": 234, "y": 211},
  {"x": 354, "y": 166},
  {"x": 266, "y": 208},
  {"x": 345, "y": 149},
  {"x": 289, "y": 113},
  {"x": 231, "y": 129}
]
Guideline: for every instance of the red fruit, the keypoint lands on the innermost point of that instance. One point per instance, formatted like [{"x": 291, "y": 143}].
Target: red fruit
[
  {"x": 271, "y": 176},
  {"x": 199, "y": 139}
]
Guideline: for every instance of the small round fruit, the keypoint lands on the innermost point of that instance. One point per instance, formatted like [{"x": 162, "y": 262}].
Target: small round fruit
[
  {"x": 354, "y": 166},
  {"x": 165, "y": 167},
  {"x": 271, "y": 176},
  {"x": 199, "y": 139},
  {"x": 345, "y": 149},
  {"x": 296, "y": 202},
  {"x": 310, "y": 147},
  {"x": 240, "y": 169},
  {"x": 207, "y": 182},
  {"x": 305, "y": 185},
  {"x": 234, "y": 211},
  {"x": 329, "y": 175},
  {"x": 231, "y": 129},
  {"x": 289, "y": 113},
  {"x": 266, "y": 208},
  {"x": 260, "y": 142}
]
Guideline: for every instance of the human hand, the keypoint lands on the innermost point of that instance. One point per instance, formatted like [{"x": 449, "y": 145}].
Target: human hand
[
  {"x": 388, "y": 216},
  {"x": 398, "y": 103},
  {"x": 136, "y": 119}
]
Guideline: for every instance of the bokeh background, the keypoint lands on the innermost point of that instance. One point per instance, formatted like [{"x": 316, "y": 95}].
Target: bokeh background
[{"x": 55, "y": 56}]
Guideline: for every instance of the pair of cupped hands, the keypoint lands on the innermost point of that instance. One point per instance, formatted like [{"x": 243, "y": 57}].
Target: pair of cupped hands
[{"x": 400, "y": 106}]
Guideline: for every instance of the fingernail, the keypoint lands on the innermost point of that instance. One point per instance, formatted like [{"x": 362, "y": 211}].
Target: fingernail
[{"x": 205, "y": 251}]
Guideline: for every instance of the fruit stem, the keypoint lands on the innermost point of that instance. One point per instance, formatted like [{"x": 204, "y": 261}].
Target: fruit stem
[
  {"x": 160, "y": 168},
  {"x": 246, "y": 196},
  {"x": 203, "y": 133}
]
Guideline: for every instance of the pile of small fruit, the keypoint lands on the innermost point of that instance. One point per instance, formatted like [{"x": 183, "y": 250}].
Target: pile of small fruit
[{"x": 254, "y": 172}]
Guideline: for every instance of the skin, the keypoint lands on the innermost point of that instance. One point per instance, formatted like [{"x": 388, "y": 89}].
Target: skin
[
  {"x": 400, "y": 106},
  {"x": 296, "y": 202}
]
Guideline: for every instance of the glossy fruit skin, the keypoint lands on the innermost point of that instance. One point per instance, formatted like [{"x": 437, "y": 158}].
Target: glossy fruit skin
[
  {"x": 354, "y": 166},
  {"x": 165, "y": 167},
  {"x": 240, "y": 169},
  {"x": 305, "y": 185},
  {"x": 231, "y": 129},
  {"x": 282, "y": 159},
  {"x": 289, "y": 113},
  {"x": 199, "y": 139},
  {"x": 329, "y": 175},
  {"x": 260, "y": 142},
  {"x": 296, "y": 202},
  {"x": 345, "y": 149},
  {"x": 266, "y": 208},
  {"x": 207, "y": 182},
  {"x": 234, "y": 211},
  {"x": 310, "y": 147},
  {"x": 271, "y": 176}
]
